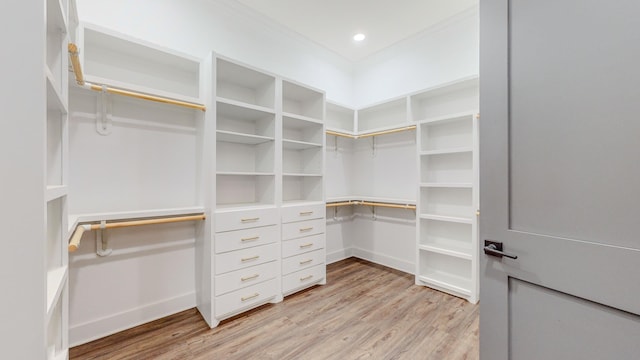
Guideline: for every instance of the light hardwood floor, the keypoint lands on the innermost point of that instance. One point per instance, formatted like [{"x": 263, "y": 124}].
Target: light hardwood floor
[{"x": 366, "y": 311}]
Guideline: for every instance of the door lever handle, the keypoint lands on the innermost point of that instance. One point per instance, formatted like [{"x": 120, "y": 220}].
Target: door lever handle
[{"x": 494, "y": 248}]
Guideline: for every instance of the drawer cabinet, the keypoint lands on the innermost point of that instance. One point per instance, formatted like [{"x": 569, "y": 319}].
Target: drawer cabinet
[
  {"x": 240, "y": 259},
  {"x": 242, "y": 239},
  {"x": 303, "y": 228},
  {"x": 245, "y": 219},
  {"x": 245, "y": 298},
  {"x": 302, "y": 261},
  {"x": 239, "y": 279},
  {"x": 302, "y": 245},
  {"x": 301, "y": 213}
]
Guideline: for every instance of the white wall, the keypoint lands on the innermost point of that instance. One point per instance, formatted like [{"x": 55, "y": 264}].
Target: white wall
[
  {"x": 197, "y": 27},
  {"x": 442, "y": 53}
]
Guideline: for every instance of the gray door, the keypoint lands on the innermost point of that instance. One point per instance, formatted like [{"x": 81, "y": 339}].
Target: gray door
[{"x": 560, "y": 179}]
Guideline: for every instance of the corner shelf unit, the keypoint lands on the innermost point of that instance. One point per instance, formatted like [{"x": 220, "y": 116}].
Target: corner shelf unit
[
  {"x": 60, "y": 20},
  {"x": 447, "y": 243}
]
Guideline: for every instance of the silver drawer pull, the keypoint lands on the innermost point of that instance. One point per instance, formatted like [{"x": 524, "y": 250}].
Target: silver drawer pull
[
  {"x": 250, "y": 238},
  {"x": 306, "y": 245},
  {"x": 250, "y": 258},
  {"x": 305, "y": 213},
  {"x": 305, "y": 261},
  {"x": 254, "y": 276},
  {"x": 306, "y": 278},
  {"x": 306, "y": 229},
  {"x": 250, "y": 297},
  {"x": 249, "y": 220}
]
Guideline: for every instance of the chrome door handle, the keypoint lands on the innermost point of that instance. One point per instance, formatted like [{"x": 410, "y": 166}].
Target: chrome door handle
[{"x": 494, "y": 248}]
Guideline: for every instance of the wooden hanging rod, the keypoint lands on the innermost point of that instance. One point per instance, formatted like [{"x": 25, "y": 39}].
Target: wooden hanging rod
[
  {"x": 372, "y": 203},
  {"x": 77, "y": 70},
  {"x": 74, "y": 243},
  {"x": 376, "y": 133}
]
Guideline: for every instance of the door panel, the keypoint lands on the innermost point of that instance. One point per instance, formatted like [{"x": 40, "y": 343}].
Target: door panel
[
  {"x": 559, "y": 178},
  {"x": 543, "y": 317}
]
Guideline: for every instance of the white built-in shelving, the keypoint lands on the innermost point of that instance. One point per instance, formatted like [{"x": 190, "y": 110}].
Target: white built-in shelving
[
  {"x": 340, "y": 118},
  {"x": 383, "y": 116},
  {"x": 447, "y": 245}
]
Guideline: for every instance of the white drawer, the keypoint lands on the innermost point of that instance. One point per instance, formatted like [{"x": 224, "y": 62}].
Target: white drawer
[
  {"x": 245, "y": 299},
  {"x": 240, "y": 259},
  {"x": 242, "y": 239},
  {"x": 302, "y": 279},
  {"x": 302, "y": 261},
  {"x": 245, "y": 277},
  {"x": 304, "y": 212},
  {"x": 303, "y": 228},
  {"x": 302, "y": 245},
  {"x": 244, "y": 219}
]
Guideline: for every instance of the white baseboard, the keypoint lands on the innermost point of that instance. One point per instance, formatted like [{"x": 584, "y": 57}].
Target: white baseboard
[
  {"x": 83, "y": 333},
  {"x": 336, "y": 256},
  {"x": 384, "y": 260}
]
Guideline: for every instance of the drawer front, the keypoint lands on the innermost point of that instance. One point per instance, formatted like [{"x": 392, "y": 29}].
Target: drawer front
[
  {"x": 245, "y": 219},
  {"x": 302, "y": 261},
  {"x": 245, "y": 277},
  {"x": 245, "y": 299},
  {"x": 242, "y": 239},
  {"x": 301, "y": 213},
  {"x": 302, "y": 245},
  {"x": 302, "y": 279},
  {"x": 240, "y": 259},
  {"x": 303, "y": 228}
]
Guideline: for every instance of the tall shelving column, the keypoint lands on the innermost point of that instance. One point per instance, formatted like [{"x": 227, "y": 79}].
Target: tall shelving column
[
  {"x": 247, "y": 226},
  {"x": 447, "y": 244},
  {"x": 56, "y": 191},
  {"x": 303, "y": 208}
]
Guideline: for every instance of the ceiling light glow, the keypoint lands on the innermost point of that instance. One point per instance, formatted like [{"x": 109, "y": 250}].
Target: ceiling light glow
[{"x": 359, "y": 37}]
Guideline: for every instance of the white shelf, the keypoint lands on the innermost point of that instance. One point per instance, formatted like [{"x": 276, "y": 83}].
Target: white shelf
[
  {"x": 447, "y": 151},
  {"x": 459, "y": 252},
  {"x": 54, "y": 192},
  {"x": 339, "y": 118},
  {"x": 301, "y": 117},
  {"x": 56, "y": 20},
  {"x": 244, "y": 84},
  {"x": 302, "y": 175},
  {"x": 372, "y": 199},
  {"x": 445, "y": 99},
  {"x": 223, "y": 208},
  {"x": 241, "y": 138},
  {"x": 395, "y": 126},
  {"x": 447, "y": 281},
  {"x": 136, "y": 214},
  {"x": 454, "y": 219},
  {"x": 302, "y": 102},
  {"x": 299, "y": 145},
  {"x": 56, "y": 279},
  {"x": 444, "y": 119},
  {"x": 383, "y": 116},
  {"x": 292, "y": 203},
  {"x": 342, "y": 131},
  {"x": 447, "y": 185},
  {"x": 55, "y": 100},
  {"x": 244, "y": 105},
  {"x": 244, "y": 173}
]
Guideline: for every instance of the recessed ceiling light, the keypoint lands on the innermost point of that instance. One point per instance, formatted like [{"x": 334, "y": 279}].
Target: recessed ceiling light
[{"x": 359, "y": 37}]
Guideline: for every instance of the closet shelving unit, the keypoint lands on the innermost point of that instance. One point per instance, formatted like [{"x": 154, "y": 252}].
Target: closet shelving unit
[
  {"x": 60, "y": 20},
  {"x": 447, "y": 245},
  {"x": 303, "y": 215}
]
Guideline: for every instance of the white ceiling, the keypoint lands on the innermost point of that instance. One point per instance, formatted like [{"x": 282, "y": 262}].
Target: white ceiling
[{"x": 332, "y": 23}]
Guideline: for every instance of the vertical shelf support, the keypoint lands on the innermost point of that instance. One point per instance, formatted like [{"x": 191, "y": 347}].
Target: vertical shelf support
[
  {"x": 103, "y": 118},
  {"x": 373, "y": 146},
  {"x": 102, "y": 241}
]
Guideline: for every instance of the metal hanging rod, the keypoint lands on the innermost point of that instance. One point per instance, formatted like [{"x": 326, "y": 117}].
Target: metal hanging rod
[
  {"x": 77, "y": 70},
  {"x": 372, "y": 203},
  {"x": 376, "y": 133},
  {"x": 74, "y": 243}
]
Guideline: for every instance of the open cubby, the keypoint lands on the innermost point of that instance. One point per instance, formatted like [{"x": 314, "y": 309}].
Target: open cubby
[
  {"x": 446, "y": 271},
  {"x": 305, "y": 161},
  {"x": 340, "y": 118},
  {"x": 447, "y": 168},
  {"x": 301, "y": 188},
  {"x": 237, "y": 157},
  {"x": 447, "y": 99},
  {"x": 302, "y": 131},
  {"x": 388, "y": 114},
  {"x": 446, "y": 235},
  {"x": 303, "y": 101},
  {"x": 55, "y": 131},
  {"x": 55, "y": 234},
  {"x": 447, "y": 133},
  {"x": 443, "y": 201},
  {"x": 239, "y": 83},
  {"x": 236, "y": 119},
  {"x": 244, "y": 190},
  {"x": 120, "y": 61}
]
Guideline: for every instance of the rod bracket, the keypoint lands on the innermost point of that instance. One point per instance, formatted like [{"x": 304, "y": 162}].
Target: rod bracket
[
  {"x": 102, "y": 241},
  {"x": 103, "y": 116}
]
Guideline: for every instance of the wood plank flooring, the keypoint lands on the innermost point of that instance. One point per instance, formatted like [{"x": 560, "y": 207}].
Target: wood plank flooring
[{"x": 366, "y": 311}]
